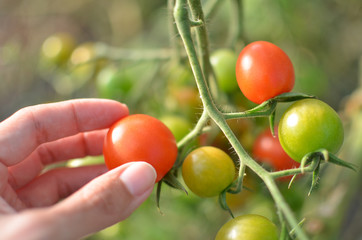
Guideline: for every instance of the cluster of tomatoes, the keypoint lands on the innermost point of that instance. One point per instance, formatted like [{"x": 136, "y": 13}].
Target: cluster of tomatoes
[{"x": 263, "y": 71}]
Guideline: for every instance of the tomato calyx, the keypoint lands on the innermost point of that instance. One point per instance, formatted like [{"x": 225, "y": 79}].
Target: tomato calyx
[
  {"x": 171, "y": 180},
  {"x": 233, "y": 188},
  {"x": 324, "y": 155},
  {"x": 311, "y": 163},
  {"x": 270, "y": 104},
  {"x": 268, "y": 107}
]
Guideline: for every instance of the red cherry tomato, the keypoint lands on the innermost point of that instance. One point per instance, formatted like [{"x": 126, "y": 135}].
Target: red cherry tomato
[
  {"x": 267, "y": 149},
  {"x": 140, "y": 137},
  {"x": 263, "y": 71}
]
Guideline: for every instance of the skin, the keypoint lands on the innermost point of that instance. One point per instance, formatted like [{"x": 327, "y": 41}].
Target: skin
[{"x": 92, "y": 198}]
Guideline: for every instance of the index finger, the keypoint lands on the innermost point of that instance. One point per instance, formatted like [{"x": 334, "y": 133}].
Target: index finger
[{"x": 30, "y": 127}]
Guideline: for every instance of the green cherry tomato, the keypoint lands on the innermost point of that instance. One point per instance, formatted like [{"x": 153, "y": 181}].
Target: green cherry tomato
[
  {"x": 114, "y": 83},
  {"x": 140, "y": 137},
  {"x": 263, "y": 71},
  {"x": 248, "y": 227},
  {"x": 178, "y": 125},
  {"x": 223, "y": 62},
  {"x": 309, "y": 125},
  {"x": 57, "y": 48},
  {"x": 207, "y": 171}
]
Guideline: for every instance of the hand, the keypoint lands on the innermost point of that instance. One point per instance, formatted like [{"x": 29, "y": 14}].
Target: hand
[{"x": 92, "y": 198}]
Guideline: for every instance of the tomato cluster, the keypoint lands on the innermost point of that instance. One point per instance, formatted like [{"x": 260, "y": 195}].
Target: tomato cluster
[{"x": 261, "y": 71}]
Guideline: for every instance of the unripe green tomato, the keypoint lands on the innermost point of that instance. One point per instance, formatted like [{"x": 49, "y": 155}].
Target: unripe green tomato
[
  {"x": 184, "y": 100},
  {"x": 207, "y": 171},
  {"x": 310, "y": 125},
  {"x": 88, "y": 53},
  {"x": 223, "y": 62},
  {"x": 113, "y": 83},
  {"x": 248, "y": 227},
  {"x": 179, "y": 75},
  {"x": 178, "y": 125},
  {"x": 57, "y": 48},
  {"x": 83, "y": 53}
]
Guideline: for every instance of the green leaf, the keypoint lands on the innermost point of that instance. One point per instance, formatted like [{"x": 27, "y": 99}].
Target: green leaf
[
  {"x": 314, "y": 179},
  {"x": 158, "y": 196},
  {"x": 290, "y": 97},
  {"x": 171, "y": 180},
  {"x": 271, "y": 122},
  {"x": 335, "y": 160},
  {"x": 284, "y": 235},
  {"x": 223, "y": 204},
  {"x": 265, "y": 107},
  {"x": 291, "y": 181}
]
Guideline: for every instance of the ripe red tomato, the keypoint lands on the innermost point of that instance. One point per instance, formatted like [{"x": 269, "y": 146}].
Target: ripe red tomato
[
  {"x": 263, "y": 71},
  {"x": 140, "y": 137},
  {"x": 267, "y": 149}
]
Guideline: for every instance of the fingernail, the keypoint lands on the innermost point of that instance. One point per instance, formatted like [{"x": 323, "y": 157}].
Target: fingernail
[{"x": 138, "y": 177}]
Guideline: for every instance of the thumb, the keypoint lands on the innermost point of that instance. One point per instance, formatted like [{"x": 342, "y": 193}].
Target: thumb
[{"x": 106, "y": 200}]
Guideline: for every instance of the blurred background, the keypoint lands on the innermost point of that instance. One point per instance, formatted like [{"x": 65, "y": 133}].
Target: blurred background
[{"x": 124, "y": 50}]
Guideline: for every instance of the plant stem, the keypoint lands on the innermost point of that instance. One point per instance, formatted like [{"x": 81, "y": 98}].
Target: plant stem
[
  {"x": 237, "y": 37},
  {"x": 173, "y": 31},
  {"x": 183, "y": 25},
  {"x": 195, "y": 131},
  {"x": 201, "y": 36}
]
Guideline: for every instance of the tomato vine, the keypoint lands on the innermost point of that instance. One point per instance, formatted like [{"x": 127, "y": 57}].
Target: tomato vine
[{"x": 198, "y": 56}]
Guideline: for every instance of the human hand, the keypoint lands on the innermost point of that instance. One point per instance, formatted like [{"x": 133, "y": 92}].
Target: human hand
[{"x": 92, "y": 198}]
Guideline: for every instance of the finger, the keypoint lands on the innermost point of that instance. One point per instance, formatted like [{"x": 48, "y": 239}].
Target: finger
[
  {"x": 5, "y": 208},
  {"x": 7, "y": 193},
  {"x": 33, "y": 126},
  {"x": 57, "y": 184},
  {"x": 106, "y": 200},
  {"x": 77, "y": 146}
]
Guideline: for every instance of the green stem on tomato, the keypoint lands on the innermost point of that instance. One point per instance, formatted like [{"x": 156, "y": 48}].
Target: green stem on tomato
[
  {"x": 183, "y": 25},
  {"x": 283, "y": 173},
  {"x": 196, "y": 131},
  {"x": 237, "y": 36},
  {"x": 173, "y": 31},
  {"x": 201, "y": 36}
]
